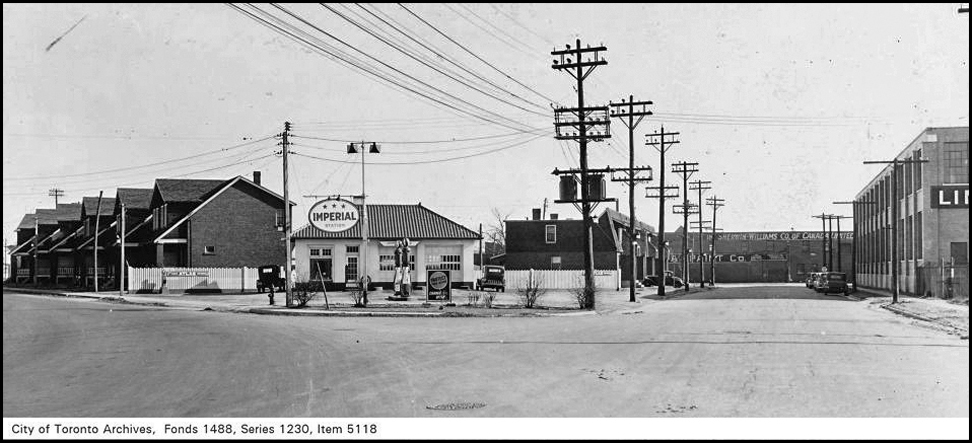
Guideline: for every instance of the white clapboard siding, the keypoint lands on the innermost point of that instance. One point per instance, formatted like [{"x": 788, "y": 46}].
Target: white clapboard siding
[
  {"x": 561, "y": 279},
  {"x": 222, "y": 279}
]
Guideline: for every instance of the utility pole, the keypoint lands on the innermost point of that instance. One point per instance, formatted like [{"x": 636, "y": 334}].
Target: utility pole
[
  {"x": 854, "y": 249},
  {"x": 36, "y": 234},
  {"x": 685, "y": 169},
  {"x": 482, "y": 261},
  {"x": 55, "y": 192},
  {"x": 716, "y": 203},
  {"x": 622, "y": 110},
  {"x": 288, "y": 277},
  {"x": 97, "y": 224},
  {"x": 570, "y": 60},
  {"x": 121, "y": 265},
  {"x": 894, "y": 218},
  {"x": 700, "y": 186},
  {"x": 373, "y": 148},
  {"x": 840, "y": 268},
  {"x": 662, "y": 192},
  {"x": 823, "y": 231}
]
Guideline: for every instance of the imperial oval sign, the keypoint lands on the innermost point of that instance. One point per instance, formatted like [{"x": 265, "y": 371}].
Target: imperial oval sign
[{"x": 333, "y": 215}]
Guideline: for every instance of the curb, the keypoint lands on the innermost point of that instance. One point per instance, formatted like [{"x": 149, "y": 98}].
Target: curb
[
  {"x": 909, "y": 314},
  {"x": 319, "y": 313}
]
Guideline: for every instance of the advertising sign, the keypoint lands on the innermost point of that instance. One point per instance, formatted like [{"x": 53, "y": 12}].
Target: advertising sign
[
  {"x": 333, "y": 215},
  {"x": 438, "y": 286},
  {"x": 950, "y": 197},
  {"x": 185, "y": 274}
]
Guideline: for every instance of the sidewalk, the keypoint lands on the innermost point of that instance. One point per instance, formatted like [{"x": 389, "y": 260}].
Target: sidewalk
[
  {"x": 949, "y": 314},
  {"x": 553, "y": 303}
]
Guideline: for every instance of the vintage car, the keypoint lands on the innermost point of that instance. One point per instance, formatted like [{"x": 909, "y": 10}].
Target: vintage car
[
  {"x": 493, "y": 278},
  {"x": 670, "y": 280},
  {"x": 832, "y": 282},
  {"x": 812, "y": 279},
  {"x": 269, "y": 279}
]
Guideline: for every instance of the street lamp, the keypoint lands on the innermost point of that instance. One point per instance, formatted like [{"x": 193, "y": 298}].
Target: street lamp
[{"x": 354, "y": 148}]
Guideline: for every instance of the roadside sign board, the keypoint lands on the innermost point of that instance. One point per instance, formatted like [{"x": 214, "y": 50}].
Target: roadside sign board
[
  {"x": 438, "y": 285},
  {"x": 333, "y": 215}
]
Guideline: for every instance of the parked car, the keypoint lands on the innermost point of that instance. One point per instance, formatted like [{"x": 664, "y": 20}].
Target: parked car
[
  {"x": 812, "y": 279},
  {"x": 269, "y": 279},
  {"x": 493, "y": 278},
  {"x": 832, "y": 282},
  {"x": 670, "y": 280}
]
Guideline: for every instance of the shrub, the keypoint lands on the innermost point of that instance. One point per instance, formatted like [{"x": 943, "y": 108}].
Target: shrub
[
  {"x": 532, "y": 292},
  {"x": 584, "y": 299},
  {"x": 488, "y": 298},
  {"x": 305, "y": 291},
  {"x": 472, "y": 299}
]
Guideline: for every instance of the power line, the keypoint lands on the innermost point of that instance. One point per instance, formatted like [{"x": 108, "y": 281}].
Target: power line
[
  {"x": 337, "y": 55},
  {"x": 432, "y": 151},
  {"x": 422, "y": 142},
  {"x": 82, "y": 174},
  {"x": 476, "y": 56},
  {"x": 430, "y": 47},
  {"x": 356, "y": 49},
  {"x": 453, "y": 76},
  {"x": 503, "y": 40},
  {"x": 430, "y": 161}
]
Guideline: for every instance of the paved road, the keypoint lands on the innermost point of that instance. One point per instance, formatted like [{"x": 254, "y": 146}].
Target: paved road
[{"x": 736, "y": 352}]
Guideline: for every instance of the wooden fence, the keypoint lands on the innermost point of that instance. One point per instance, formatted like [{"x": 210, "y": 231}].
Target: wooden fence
[
  {"x": 191, "y": 279},
  {"x": 561, "y": 279}
]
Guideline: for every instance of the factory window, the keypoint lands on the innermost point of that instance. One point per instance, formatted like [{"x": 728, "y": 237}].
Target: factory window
[
  {"x": 919, "y": 244},
  {"x": 960, "y": 252},
  {"x": 956, "y": 162},
  {"x": 917, "y": 170}
]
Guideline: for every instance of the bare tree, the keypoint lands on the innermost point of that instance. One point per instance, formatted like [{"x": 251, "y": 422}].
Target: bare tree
[{"x": 495, "y": 231}]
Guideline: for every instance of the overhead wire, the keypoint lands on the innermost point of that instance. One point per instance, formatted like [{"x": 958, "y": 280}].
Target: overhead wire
[
  {"x": 512, "y": 43},
  {"x": 321, "y": 47},
  {"x": 541, "y": 95},
  {"x": 399, "y": 71},
  {"x": 456, "y": 77},
  {"x": 431, "y": 161},
  {"x": 402, "y": 29},
  {"x": 105, "y": 171}
]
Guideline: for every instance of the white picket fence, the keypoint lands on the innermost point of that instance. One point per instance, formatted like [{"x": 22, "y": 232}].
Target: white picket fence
[
  {"x": 191, "y": 279},
  {"x": 561, "y": 279}
]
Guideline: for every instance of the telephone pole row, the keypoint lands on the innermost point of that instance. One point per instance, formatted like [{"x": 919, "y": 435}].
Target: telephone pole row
[
  {"x": 716, "y": 203},
  {"x": 620, "y": 111},
  {"x": 701, "y": 185},
  {"x": 657, "y": 141},
  {"x": 685, "y": 169}
]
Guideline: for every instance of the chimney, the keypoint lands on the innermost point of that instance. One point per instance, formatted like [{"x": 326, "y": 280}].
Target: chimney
[
  {"x": 256, "y": 177},
  {"x": 553, "y": 216},
  {"x": 536, "y": 213}
]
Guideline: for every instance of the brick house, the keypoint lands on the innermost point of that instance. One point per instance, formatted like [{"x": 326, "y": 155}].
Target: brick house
[
  {"x": 215, "y": 223},
  {"x": 559, "y": 244}
]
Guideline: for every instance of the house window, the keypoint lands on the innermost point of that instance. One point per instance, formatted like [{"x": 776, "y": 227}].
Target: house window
[
  {"x": 551, "y": 232},
  {"x": 352, "y": 249},
  {"x": 320, "y": 252},
  {"x": 555, "y": 262},
  {"x": 444, "y": 262},
  {"x": 956, "y": 162},
  {"x": 209, "y": 250},
  {"x": 351, "y": 269}
]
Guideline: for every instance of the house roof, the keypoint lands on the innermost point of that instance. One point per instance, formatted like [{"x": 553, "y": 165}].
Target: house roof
[
  {"x": 20, "y": 249},
  {"x": 27, "y": 222},
  {"x": 91, "y": 206},
  {"x": 396, "y": 222},
  {"x": 134, "y": 198},
  {"x": 186, "y": 190},
  {"x": 623, "y": 219}
]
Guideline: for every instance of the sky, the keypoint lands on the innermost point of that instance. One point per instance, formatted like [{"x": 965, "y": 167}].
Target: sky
[{"x": 778, "y": 103}]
